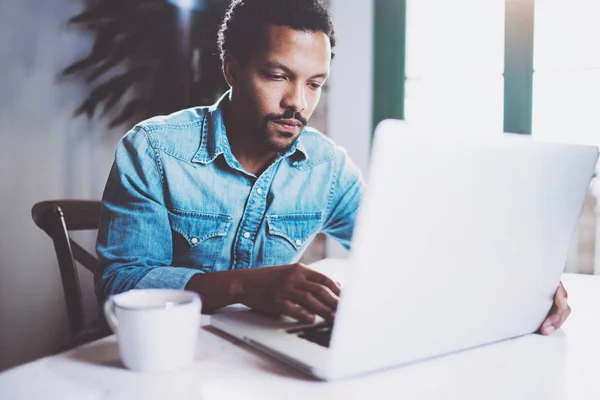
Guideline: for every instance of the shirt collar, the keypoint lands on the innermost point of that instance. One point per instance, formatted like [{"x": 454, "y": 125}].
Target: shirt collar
[
  {"x": 297, "y": 153},
  {"x": 214, "y": 140}
]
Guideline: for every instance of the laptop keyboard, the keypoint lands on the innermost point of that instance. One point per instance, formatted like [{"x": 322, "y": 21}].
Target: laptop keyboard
[{"x": 319, "y": 333}]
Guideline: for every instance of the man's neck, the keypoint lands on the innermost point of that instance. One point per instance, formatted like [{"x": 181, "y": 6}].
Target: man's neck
[{"x": 253, "y": 157}]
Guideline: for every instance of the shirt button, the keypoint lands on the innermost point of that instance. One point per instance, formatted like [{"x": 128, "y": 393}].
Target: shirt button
[
  {"x": 259, "y": 191},
  {"x": 194, "y": 240},
  {"x": 298, "y": 242},
  {"x": 247, "y": 235}
]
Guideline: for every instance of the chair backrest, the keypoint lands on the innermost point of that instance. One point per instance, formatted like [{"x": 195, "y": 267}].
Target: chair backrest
[{"x": 57, "y": 218}]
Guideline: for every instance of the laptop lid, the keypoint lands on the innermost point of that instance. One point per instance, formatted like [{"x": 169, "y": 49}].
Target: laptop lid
[{"x": 459, "y": 242}]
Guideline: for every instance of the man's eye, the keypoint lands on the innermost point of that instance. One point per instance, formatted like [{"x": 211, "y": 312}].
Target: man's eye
[
  {"x": 276, "y": 77},
  {"x": 315, "y": 85}
]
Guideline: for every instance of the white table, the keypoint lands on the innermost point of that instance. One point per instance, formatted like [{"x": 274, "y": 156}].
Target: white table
[{"x": 565, "y": 365}]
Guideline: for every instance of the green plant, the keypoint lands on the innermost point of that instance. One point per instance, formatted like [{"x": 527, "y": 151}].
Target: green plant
[{"x": 141, "y": 62}]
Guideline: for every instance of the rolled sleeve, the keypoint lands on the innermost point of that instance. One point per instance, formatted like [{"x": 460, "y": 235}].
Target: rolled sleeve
[
  {"x": 134, "y": 238},
  {"x": 167, "y": 278},
  {"x": 346, "y": 191}
]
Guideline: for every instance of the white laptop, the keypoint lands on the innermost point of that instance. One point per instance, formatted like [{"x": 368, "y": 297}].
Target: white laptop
[{"x": 459, "y": 242}]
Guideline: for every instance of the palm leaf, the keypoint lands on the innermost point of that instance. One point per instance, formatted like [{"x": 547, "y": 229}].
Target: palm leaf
[
  {"x": 129, "y": 111},
  {"x": 119, "y": 83},
  {"x": 141, "y": 37}
]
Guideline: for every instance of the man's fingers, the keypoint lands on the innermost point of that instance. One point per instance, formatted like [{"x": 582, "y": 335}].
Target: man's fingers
[
  {"x": 317, "y": 298},
  {"x": 550, "y": 324},
  {"x": 313, "y": 305},
  {"x": 558, "y": 313},
  {"x": 296, "y": 311},
  {"x": 561, "y": 302},
  {"x": 560, "y": 297},
  {"x": 555, "y": 320},
  {"x": 563, "y": 316},
  {"x": 562, "y": 287},
  {"x": 317, "y": 277},
  {"x": 547, "y": 330},
  {"x": 322, "y": 293}
]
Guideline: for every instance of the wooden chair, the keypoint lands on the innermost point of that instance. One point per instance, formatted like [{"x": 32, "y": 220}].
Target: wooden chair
[{"x": 57, "y": 218}]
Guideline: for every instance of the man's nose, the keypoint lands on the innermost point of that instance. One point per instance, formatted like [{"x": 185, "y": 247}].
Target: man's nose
[{"x": 295, "y": 98}]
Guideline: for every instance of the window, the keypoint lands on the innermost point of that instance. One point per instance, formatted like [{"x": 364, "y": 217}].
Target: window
[
  {"x": 566, "y": 82},
  {"x": 470, "y": 64},
  {"x": 566, "y": 97},
  {"x": 525, "y": 66},
  {"x": 454, "y": 65}
]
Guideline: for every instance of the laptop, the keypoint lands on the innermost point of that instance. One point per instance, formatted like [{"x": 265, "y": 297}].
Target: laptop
[{"x": 459, "y": 242}]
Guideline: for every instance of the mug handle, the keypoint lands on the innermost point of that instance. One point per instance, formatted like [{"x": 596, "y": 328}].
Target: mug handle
[{"x": 109, "y": 314}]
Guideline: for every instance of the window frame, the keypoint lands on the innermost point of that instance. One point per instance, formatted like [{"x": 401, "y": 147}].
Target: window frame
[{"x": 390, "y": 70}]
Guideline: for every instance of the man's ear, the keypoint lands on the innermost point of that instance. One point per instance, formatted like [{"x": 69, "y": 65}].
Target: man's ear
[{"x": 231, "y": 69}]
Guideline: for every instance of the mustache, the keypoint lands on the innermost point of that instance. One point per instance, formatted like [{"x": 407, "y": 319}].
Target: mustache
[{"x": 291, "y": 114}]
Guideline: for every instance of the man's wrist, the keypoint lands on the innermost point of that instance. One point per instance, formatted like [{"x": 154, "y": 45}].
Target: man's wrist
[
  {"x": 218, "y": 289},
  {"x": 239, "y": 286}
]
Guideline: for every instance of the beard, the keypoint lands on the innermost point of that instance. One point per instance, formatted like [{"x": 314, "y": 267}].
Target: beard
[{"x": 280, "y": 142}]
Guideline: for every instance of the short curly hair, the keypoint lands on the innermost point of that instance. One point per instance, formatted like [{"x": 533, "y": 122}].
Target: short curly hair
[{"x": 242, "y": 30}]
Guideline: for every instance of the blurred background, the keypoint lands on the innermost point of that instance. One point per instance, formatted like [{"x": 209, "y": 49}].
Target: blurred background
[{"x": 77, "y": 74}]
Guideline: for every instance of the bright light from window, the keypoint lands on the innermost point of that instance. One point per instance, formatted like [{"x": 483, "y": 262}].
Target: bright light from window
[
  {"x": 566, "y": 85},
  {"x": 185, "y": 5},
  {"x": 454, "y": 66}
]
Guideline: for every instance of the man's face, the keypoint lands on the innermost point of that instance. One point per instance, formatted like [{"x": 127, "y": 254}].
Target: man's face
[{"x": 280, "y": 86}]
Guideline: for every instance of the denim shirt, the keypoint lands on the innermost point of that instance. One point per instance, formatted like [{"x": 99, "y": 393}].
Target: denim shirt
[{"x": 178, "y": 203}]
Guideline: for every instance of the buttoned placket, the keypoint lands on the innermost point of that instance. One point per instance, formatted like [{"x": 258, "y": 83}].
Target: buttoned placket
[{"x": 252, "y": 218}]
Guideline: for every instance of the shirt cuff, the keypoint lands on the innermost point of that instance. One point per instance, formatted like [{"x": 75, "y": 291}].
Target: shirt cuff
[{"x": 167, "y": 278}]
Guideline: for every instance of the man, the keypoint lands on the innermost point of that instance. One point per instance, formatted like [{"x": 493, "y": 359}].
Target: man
[{"x": 203, "y": 198}]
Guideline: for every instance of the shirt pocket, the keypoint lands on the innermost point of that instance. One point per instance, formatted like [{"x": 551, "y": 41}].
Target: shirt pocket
[
  {"x": 288, "y": 235},
  {"x": 198, "y": 238}
]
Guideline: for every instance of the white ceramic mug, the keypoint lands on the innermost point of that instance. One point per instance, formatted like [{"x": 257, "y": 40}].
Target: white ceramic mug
[{"x": 157, "y": 329}]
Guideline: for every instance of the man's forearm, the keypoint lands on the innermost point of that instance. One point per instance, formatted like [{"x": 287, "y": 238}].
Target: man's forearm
[
  {"x": 218, "y": 289},
  {"x": 293, "y": 290}
]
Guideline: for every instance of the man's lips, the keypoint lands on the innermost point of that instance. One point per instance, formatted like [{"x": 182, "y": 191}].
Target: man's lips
[
  {"x": 290, "y": 122},
  {"x": 288, "y": 125}
]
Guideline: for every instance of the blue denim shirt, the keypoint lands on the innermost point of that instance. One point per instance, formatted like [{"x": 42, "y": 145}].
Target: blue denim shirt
[{"x": 178, "y": 203}]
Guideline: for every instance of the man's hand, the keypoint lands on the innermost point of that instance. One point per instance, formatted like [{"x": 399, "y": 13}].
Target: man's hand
[
  {"x": 293, "y": 290},
  {"x": 558, "y": 313}
]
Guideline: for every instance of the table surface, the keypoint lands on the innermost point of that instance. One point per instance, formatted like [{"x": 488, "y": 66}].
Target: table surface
[{"x": 565, "y": 365}]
